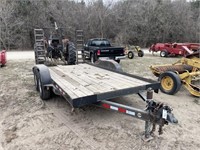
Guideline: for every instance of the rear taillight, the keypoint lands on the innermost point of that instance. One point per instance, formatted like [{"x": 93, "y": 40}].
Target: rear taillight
[{"x": 98, "y": 52}]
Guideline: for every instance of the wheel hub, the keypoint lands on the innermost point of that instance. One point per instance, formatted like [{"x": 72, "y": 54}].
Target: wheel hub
[{"x": 167, "y": 83}]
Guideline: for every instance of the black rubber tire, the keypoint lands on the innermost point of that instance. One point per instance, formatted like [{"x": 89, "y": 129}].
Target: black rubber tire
[
  {"x": 36, "y": 80},
  {"x": 175, "y": 79},
  {"x": 83, "y": 56},
  {"x": 44, "y": 93},
  {"x": 92, "y": 58},
  {"x": 140, "y": 53},
  {"x": 130, "y": 55},
  {"x": 118, "y": 61},
  {"x": 163, "y": 53},
  {"x": 71, "y": 54}
]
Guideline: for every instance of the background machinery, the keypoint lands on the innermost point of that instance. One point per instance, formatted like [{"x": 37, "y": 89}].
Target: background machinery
[
  {"x": 131, "y": 50},
  {"x": 175, "y": 49},
  {"x": 186, "y": 71}
]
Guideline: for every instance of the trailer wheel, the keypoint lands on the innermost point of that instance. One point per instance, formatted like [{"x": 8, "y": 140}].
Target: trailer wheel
[
  {"x": 140, "y": 53},
  {"x": 163, "y": 53},
  {"x": 170, "y": 82},
  {"x": 44, "y": 93},
  {"x": 130, "y": 55},
  {"x": 71, "y": 54},
  {"x": 36, "y": 80}
]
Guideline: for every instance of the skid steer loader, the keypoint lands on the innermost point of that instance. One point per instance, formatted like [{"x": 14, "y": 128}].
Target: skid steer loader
[{"x": 185, "y": 71}]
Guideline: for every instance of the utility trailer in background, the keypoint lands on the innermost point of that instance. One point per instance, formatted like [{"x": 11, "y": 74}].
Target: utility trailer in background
[{"x": 88, "y": 84}]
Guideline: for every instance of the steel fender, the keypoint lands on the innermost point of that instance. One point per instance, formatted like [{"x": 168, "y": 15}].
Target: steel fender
[
  {"x": 109, "y": 64},
  {"x": 44, "y": 73}
]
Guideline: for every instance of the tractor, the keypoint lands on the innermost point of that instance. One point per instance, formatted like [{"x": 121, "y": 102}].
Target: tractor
[
  {"x": 130, "y": 50},
  {"x": 56, "y": 47},
  {"x": 185, "y": 71}
]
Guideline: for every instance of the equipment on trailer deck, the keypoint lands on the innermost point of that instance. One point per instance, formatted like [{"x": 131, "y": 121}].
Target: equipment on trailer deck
[
  {"x": 2, "y": 58},
  {"x": 87, "y": 84},
  {"x": 130, "y": 50},
  {"x": 185, "y": 71}
]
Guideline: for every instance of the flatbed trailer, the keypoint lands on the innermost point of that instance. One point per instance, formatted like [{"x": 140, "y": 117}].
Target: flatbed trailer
[{"x": 87, "y": 84}]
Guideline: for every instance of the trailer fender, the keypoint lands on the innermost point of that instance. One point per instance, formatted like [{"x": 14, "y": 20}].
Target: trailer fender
[
  {"x": 109, "y": 64},
  {"x": 44, "y": 73}
]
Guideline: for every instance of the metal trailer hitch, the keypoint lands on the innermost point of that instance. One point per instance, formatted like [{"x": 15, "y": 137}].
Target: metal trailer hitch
[{"x": 155, "y": 114}]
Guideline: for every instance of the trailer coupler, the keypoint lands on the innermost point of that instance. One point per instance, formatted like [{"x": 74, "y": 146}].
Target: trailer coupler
[{"x": 154, "y": 114}]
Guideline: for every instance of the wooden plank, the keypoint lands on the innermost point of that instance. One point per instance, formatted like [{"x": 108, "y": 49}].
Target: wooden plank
[
  {"x": 116, "y": 78},
  {"x": 114, "y": 83},
  {"x": 83, "y": 80},
  {"x": 81, "y": 84},
  {"x": 69, "y": 86},
  {"x": 101, "y": 83},
  {"x": 115, "y": 74},
  {"x": 68, "y": 91},
  {"x": 99, "y": 86}
]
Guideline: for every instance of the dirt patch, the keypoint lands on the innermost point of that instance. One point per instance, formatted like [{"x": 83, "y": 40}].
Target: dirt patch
[{"x": 26, "y": 122}]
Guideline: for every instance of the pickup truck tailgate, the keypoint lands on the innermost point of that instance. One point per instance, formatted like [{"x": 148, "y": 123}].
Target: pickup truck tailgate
[{"x": 112, "y": 51}]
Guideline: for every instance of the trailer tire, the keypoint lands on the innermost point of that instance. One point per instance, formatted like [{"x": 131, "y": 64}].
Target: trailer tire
[
  {"x": 140, "y": 53},
  {"x": 170, "y": 82},
  {"x": 71, "y": 54},
  {"x": 163, "y": 53},
  {"x": 44, "y": 93},
  {"x": 130, "y": 55}
]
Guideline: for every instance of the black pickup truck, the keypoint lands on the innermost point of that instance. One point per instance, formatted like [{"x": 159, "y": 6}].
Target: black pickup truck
[{"x": 99, "y": 48}]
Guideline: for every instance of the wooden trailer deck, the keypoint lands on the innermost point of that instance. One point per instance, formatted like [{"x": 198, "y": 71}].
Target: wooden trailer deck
[{"x": 84, "y": 80}]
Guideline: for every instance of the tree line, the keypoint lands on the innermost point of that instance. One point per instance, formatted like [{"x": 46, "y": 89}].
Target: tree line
[{"x": 134, "y": 22}]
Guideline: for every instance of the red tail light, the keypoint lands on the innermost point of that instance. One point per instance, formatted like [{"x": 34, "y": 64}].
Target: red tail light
[{"x": 98, "y": 52}]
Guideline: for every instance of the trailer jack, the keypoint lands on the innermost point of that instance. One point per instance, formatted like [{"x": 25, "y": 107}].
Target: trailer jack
[{"x": 155, "y": 114}]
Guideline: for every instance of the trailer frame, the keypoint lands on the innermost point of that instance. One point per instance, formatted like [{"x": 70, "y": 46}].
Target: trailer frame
[{"x": 154, "y": 113}]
